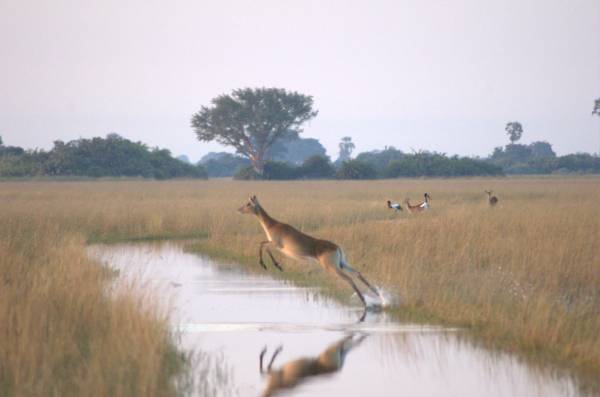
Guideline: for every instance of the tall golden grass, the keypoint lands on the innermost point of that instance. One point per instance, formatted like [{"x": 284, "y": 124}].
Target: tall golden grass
[
  {"x": 524, "y": 275},
  {"x": 63, "y": 332}
]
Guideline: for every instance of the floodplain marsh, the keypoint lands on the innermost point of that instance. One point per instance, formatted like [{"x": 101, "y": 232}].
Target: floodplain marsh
[{"x": 523, "y": 276}]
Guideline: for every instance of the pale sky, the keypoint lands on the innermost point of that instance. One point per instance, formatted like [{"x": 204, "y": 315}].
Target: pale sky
[{"x": 435, "y": 75}]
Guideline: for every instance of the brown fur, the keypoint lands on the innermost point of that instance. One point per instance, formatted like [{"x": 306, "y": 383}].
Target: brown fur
[
  {"x": 294, "y": 372},
  {"x": 492, "y": 200},
  {"x": 297, "y": 245},
  {"x": 419, "y": 207}
]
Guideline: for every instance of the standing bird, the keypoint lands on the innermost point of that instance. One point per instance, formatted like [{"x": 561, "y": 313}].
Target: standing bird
[
  {"x": 395, "y": 206},
  {"x": 300, "y": 246},
  {"x": 424, "y": 206},
  {"x": 492, "y": 200}
]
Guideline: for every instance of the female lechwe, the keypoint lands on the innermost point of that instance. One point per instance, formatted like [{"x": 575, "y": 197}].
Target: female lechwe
[{"x": 295, "y": 244}]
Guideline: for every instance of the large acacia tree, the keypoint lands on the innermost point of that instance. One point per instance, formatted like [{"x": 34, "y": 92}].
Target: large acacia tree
[{"x": 253, "y": 119}]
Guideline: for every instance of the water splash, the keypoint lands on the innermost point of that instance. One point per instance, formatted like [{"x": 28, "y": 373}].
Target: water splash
[{"x": 384, "y": 300}]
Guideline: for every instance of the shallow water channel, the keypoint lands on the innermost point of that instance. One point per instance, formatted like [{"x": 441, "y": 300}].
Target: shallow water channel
[{"x": 231, "y": 316}]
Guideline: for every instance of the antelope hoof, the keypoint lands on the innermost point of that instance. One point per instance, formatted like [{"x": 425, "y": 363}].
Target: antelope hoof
[
  {"x": 362, "y": 318},
  {"x": 278, "y": 266},
  {"x": 262, "y": 264}
]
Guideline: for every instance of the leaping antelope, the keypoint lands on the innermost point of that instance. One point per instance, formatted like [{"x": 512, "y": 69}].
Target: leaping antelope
[
  {"x": 395, "y": 206},
  {"x": 424, "y": 206},
  {"x": 296, "y": 371},
  {"x": 297, "y": 245},
  {"x": 492, "y": 200}
]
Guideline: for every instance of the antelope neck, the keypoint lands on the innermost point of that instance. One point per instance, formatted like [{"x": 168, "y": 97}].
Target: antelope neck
[{"x": 264, "y": 218}]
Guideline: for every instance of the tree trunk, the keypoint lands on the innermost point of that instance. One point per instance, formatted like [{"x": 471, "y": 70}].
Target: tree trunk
[{"x": 258, "y": 163}]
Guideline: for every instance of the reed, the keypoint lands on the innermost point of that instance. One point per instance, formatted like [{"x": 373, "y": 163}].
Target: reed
[{"x": 63, "y": 331}]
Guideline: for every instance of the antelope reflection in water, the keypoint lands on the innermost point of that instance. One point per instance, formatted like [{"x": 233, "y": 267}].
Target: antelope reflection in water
[{"x": 294, "y": 372}]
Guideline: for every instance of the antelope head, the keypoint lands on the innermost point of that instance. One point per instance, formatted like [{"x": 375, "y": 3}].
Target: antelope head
[{"x": 251, "y": 207}]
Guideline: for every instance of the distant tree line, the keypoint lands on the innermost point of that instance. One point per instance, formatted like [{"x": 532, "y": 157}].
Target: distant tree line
[
  {"x": 389, "y": 163},
  {"x": 263, "y": 126},
  {"x": 112, "y": 156},
  {"x": 538, "y": 157}
]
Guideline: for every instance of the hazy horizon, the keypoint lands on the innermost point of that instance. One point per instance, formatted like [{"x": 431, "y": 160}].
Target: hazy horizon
[{"x": 434, "y": 76}]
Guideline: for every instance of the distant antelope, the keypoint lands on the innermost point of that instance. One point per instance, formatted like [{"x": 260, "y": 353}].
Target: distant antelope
[
  {"x": 424, "y": 206},
  {"x": 297, "y": 245},
  {"x": 395, "y": 206},
  {"x": 492, "y": 200},
  {"x": 294, "y": 372}
]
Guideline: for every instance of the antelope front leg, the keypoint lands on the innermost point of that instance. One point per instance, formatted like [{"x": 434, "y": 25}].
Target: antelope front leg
[
  {"x": 277, "y": 351},
  {"x": 260, "y": 254},
  {"x": 274, "y": 261},
  {"x": 260, "y": 360}
]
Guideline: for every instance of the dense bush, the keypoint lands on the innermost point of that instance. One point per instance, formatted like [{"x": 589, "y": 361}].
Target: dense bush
[
  {"x": 27, "y": 164},
  {"x": 581, "y": 162},
  {"x": 246, "y": 174},
  {"x": 223, "y": 164},
  {"x": 112, "y": 156},
  {"x": 380, "y": 159},
  {"x": 313, "y": 168},
  {"x": 539, "y": 158},
  {"x": 356, "y": 169},
  {"x": 278, "y": 170},
  {"x": 317, "y": 167},
  {"x": 434, "y": 164}
]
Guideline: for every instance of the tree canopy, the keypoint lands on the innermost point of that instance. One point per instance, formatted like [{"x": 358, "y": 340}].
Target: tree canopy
[
  {"x": 346, "y": 148},
  {"x": 355, "y": 169},
  {"x": 220, "y": 164},
  {"x": 252, "y": 120},
  {"x": 514, "y": 130},
  {"x": 541, "y": 149},
  {"x": 317, "y": 167},
  {"x": 296, "y": 150},
  {"x": 381, "y": 158},
  {"x": 596, "y": 110}
]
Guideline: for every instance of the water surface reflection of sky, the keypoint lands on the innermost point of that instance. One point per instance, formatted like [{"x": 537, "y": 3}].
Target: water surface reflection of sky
[{"x": 233, "y": 316}]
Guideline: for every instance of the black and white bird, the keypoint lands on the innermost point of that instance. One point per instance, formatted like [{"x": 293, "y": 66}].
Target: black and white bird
[{"x": 395, "y": 206}]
